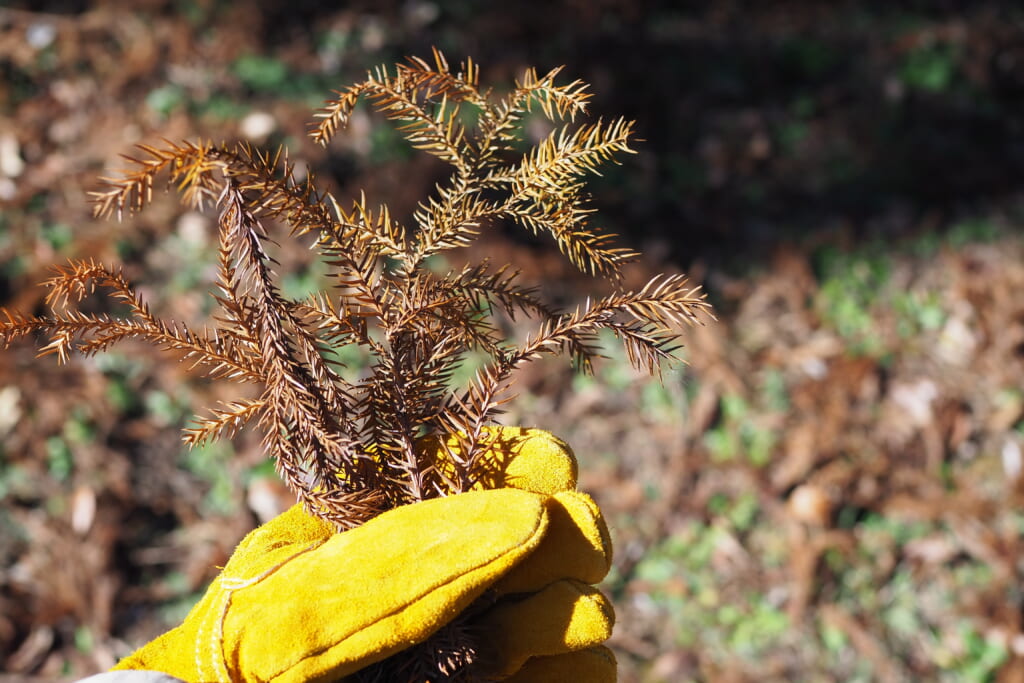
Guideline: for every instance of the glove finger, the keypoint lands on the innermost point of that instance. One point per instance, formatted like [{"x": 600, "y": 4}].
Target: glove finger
[
  {"x": 527, "y": 459},
  {"x": 576, "y": 546},
  {"x": 417, "y": 566},
  {"x": 563, "y": 617},
  {"x": 269, "y": 545},
  {"x": 594, "y": 665}
]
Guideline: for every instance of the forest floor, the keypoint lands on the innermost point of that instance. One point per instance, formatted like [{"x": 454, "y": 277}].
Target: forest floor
[{"x": 830, "y": 489}]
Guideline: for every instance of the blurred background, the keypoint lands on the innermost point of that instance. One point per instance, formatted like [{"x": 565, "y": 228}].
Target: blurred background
[{"x": 829, "y": 490}]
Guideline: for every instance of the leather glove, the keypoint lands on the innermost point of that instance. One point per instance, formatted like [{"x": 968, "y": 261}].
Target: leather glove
[{"x": 507, "y": 571}]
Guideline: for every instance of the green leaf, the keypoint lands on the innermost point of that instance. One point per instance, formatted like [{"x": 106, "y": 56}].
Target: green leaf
[{"x": 260, "y": 72}]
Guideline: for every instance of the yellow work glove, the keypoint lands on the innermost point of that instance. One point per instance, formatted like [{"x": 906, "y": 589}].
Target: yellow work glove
[{"x": 298, "y": 601}]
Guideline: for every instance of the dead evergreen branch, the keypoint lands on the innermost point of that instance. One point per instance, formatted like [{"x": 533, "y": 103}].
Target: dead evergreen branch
[{"x": 351, "y": 449}]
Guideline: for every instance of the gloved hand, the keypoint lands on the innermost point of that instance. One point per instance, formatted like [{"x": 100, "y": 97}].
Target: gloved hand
[{"x": 299, "y": 602}]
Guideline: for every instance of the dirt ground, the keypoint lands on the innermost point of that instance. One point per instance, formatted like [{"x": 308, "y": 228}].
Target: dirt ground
[{"x": 830, "y": 489}]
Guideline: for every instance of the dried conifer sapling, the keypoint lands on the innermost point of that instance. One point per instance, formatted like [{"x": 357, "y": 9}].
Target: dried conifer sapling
[{"x": 352, "y": 449}]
